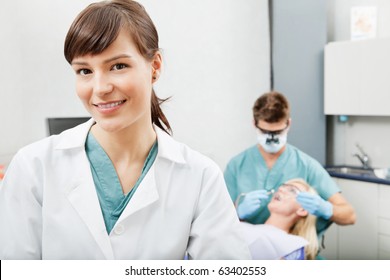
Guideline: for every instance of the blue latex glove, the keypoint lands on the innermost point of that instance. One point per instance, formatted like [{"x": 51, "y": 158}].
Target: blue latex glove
[
  {"x": 250, "y": 203},
  {"x": 315, "y": 205}
]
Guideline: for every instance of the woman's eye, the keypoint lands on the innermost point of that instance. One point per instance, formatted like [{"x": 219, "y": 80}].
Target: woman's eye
[
  {"x": 119, "y": 66},
  {"x": 83, "y": 72}
]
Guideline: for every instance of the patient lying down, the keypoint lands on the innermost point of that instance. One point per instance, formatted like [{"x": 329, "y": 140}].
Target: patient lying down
[{"x": 289, "y": 232}]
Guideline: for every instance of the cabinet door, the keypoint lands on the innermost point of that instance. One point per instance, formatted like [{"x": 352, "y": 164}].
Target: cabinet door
[
  {"x": 360, "y": 241},
  {"x": 356, "y": 77},
  {"x": 341, "y": 92},
  {"x": 384, "y": 222}
]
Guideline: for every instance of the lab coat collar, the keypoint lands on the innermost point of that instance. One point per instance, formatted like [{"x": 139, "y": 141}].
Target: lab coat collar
[
  {"x": 167, "y": 147},
  {"x": 75, "y": 138}
]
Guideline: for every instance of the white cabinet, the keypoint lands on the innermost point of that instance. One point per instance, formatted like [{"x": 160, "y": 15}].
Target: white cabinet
[
  {"x": 384, "y": 222},
  {"x": 356, "y": 78},
  {"x": 369, "y": 237},
  {"x": 359, "y": 241}
]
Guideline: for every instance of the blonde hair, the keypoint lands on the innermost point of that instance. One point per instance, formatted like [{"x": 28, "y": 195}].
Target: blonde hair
[{"x": 306, "y": 226}]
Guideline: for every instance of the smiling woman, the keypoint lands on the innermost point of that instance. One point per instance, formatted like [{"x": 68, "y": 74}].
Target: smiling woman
[
  {"x": 115, "y": 86},
  {"x": 119, "y": 179},
  {"x": 129, "y": 61}
]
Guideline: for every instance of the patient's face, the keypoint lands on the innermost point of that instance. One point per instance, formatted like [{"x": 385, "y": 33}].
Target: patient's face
[{"x": 284, "y": 200}]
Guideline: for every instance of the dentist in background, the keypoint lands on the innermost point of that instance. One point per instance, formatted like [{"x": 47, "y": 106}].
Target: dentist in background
[
  {"x": 118, "y": 186},
  {"x": 255, "y": 173}
]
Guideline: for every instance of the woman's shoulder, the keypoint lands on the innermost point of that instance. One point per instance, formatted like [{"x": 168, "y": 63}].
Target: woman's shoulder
[
  {"x": 195, "y": 157},
  {"x": 38, "y": 147},
  {"x": 70, "y": 138},
  {"x": 181, "y": 153}
]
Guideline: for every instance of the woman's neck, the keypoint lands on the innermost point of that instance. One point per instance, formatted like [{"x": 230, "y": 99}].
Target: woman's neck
[
  {"x": 284, "y": 223},
  {"x": 127, "y": 145}
]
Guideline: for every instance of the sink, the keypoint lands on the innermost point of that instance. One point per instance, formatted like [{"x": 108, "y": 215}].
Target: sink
[
  {"x": 382, "y": 173},
  {"x": 351, "y": 170}
]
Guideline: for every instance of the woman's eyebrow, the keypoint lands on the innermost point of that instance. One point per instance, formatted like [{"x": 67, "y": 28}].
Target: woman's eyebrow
[
  {"x": 117, "y": 57},
  {"x": 78, "y": 63},
  {"x": 296, "y": 188},
  {"x": 105, "y": 61}
]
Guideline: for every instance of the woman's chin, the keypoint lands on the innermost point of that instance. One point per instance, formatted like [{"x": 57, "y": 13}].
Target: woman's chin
[{"x": 108, "y": 126}]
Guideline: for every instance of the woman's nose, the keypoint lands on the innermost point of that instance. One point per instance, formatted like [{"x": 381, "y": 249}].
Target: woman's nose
[
  {"x": 102, "y": 85},
  {"x": 285, "y": 191}
]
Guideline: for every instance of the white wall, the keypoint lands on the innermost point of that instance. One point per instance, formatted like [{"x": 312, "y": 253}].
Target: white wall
[
  {"x": 36, "y": 81},
  {"x": 372, "y": 133},
  {"x": 216, "y": 65}
]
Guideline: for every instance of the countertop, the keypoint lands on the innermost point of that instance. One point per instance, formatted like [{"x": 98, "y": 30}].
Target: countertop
[{"x": 366, "y": 177}]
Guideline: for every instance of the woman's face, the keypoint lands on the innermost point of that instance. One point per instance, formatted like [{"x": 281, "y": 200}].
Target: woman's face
[
  {"x": 115, "y": 86},
  {"x": 284, "y": 200}
]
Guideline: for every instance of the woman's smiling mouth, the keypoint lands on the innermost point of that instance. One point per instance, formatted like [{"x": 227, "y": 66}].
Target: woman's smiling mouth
[{"x": 109, "y": 107}]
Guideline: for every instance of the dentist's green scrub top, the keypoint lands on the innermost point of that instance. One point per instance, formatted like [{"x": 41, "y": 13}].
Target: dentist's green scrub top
[
  {"x": 108, "y": 187},
  {"x": 248, "y": 172}
]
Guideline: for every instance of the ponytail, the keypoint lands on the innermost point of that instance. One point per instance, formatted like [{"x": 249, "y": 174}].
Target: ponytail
[{"x": 158, "y": 117}]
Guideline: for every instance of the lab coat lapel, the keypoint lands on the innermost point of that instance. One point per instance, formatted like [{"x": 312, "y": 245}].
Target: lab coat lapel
[
  {"x": 81, "y": 193},
  {"x": 145, "y": 195},
  {"x": 83, "y": 197},
  {"x": 147, "y": 192}
]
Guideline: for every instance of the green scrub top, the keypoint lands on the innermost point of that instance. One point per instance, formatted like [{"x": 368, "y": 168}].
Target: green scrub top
[
  {"x": 109, "y": 190},
  {"x": 248, "y": 172}
]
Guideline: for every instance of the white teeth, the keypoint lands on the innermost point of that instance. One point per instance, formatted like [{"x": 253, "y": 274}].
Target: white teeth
[{"x": 110, "y": 105}]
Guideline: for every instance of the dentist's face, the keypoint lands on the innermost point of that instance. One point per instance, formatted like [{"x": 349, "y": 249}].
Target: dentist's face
[
  {"x": 115, "y": 86},
  {"x": 272, "y": 137}
]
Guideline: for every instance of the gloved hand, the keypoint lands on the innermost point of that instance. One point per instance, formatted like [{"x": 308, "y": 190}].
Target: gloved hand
[
  {"x": 315, "y": 205},
  {"x": 250, "y": 203}
]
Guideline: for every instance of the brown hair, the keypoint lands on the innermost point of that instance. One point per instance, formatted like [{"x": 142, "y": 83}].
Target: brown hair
[
  {"x": 271, "y": 107},
  {"x": 97, "y": 27}
]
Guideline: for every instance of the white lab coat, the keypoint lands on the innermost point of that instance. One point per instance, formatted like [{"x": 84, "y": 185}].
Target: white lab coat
[{"x": 49, "y": 208}]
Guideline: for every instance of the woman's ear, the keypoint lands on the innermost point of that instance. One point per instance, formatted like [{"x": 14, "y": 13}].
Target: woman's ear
[
  {"x": 302, "y": 212},
  {"x": 156, "y": 66}
]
